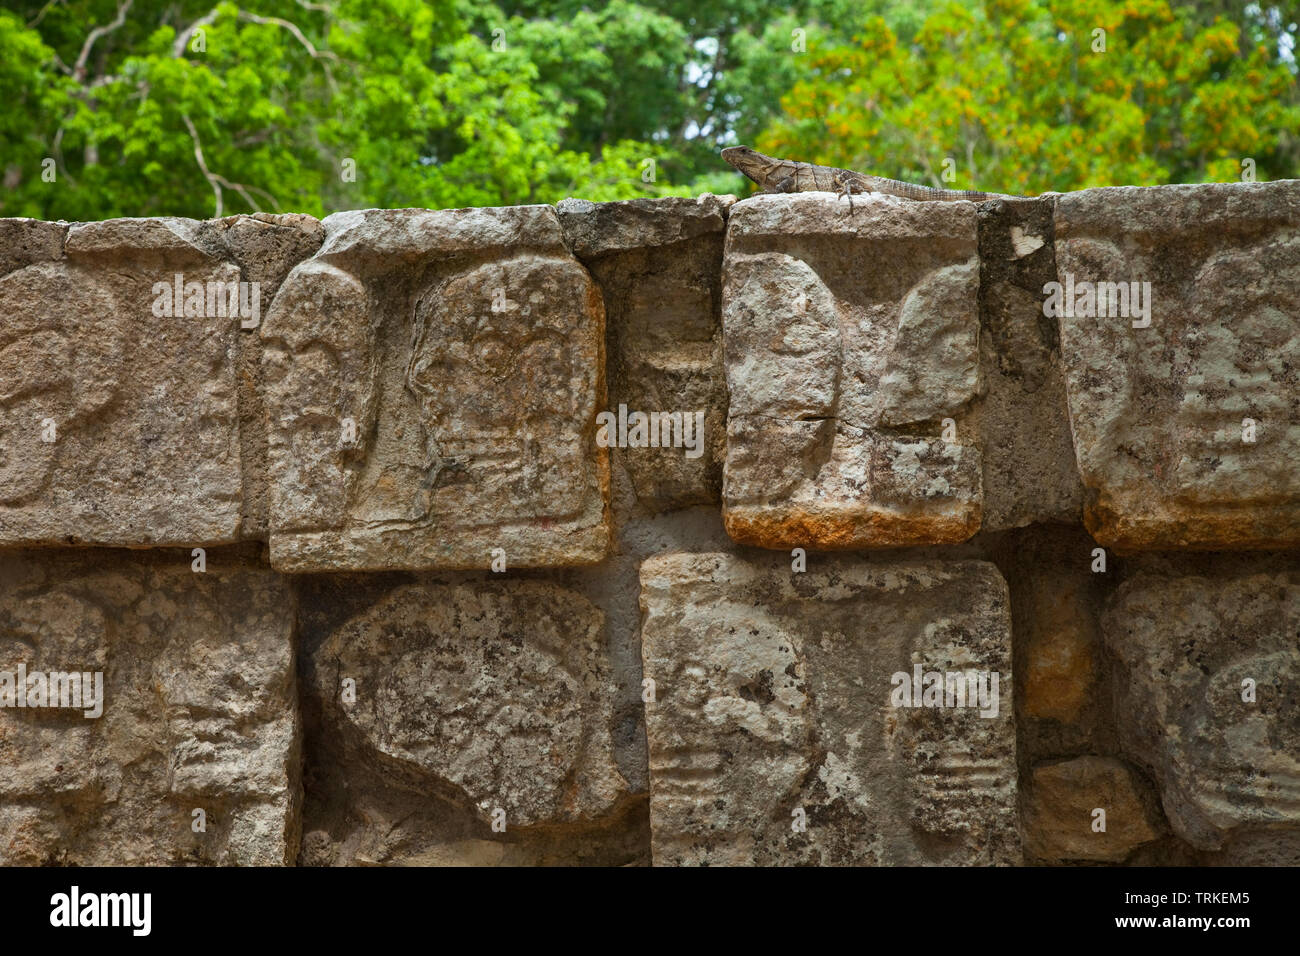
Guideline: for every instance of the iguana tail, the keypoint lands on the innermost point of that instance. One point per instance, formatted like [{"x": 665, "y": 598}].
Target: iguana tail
[{"x": 895, "y": 187}]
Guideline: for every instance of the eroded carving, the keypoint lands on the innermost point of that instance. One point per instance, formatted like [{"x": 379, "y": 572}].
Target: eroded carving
[
  {"x": 198, "y": 711},
  {"x": 849, "y": 382},
  {"x": 469, "y": 393},
  {"x": 773, "y": 707},
  {"x": 496, "y": 695},
  {"x": 118, "y": 426},
  {"x": 1159, "y": 402},
  {"x": 1222, "y": 750}
]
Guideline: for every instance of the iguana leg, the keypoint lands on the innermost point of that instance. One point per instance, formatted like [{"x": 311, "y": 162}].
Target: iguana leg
[
  {"x": 785, "y": 184},
  {"x": 846, "y": 189}
]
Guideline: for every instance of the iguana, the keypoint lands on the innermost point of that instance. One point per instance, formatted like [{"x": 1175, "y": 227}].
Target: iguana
[{"x": 788, "y": 176}]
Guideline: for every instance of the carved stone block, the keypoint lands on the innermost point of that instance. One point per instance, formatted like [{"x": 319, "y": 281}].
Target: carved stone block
[
  {"x": 465, "y": 721},
  {"x": 433, "y": 380},
  {"x": 1182, "y": 362},
  {"x": 659, "y": 265},
  {"x": 198, "y": 712},
  {"x": 778, "y": 731},
  {"x": 851, "y": 351},
  {"x": 118, "y": 410},
  {"x": 1205, "y": 697}
]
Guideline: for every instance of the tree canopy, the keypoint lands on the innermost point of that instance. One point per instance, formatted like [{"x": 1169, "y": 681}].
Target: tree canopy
[{"x": 176, "y": 107}]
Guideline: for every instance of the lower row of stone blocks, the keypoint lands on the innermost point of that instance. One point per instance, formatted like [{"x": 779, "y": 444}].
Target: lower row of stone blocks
[{"x": 861, "y": 712}]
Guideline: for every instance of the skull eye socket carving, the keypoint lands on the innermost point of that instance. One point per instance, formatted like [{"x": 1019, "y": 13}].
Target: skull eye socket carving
[
  {"x": 492, "y": 355},
  {"x": 33, "y": 363}
]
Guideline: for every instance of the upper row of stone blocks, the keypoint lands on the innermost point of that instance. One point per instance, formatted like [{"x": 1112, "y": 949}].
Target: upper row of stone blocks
[
  {"x": 417, "y": 389},
  {"x": 853, "y": 365},
  {"x": 428, "y": 385}
]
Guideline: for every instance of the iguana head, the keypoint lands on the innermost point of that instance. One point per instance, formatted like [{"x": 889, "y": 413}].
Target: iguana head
[{"x": 750, "y": 162}]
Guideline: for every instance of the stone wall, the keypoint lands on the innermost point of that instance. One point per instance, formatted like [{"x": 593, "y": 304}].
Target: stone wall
[{"x": 673, "y": 531}]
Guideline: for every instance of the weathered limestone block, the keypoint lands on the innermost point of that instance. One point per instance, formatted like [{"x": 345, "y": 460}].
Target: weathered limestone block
[
  {"x": 266, "y": 247},
  {"x": 1190, "y": 649},
  {"x": 471, "y": 699},
  {"x": 774, "y": 706},
  {"x": 659, "y": 266},
  {"x": 1062, "y": 648},
  {"x": 1024, "y": 427},
  {"x": 500, "y": 691},
  {"x": 597, "y": 229},
  {"x": 433, "y": 380},
  {"x": 198, "y": 712},
  {"x": 24, "y": 242},
  {"x": 1061, "y": 822},
  {"x": 850, "y": 341},
  {"x": 1063, "y": 695},
  {"x": 1258, "y": 846},
  {"x": 1159, "y": 411},
  {"x": 118, "y": 405}
]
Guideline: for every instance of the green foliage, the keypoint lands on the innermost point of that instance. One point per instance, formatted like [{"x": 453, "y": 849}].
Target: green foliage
[
  {"x": 1018, "y": 97},
  {"x": 30, "y": 88},
  {"x": 274, "y": 104},
  {"x": 273, "y": 108}
]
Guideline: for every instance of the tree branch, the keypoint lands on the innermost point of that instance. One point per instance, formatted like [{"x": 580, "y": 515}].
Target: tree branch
[
  {"x": 57, "y": 150},
  {"x": 213, "y": 181},
  {"x": 292, "y": 28},
  {"x": 44, "y": 10},
  {"x": 217, "y": 181},
  {"x": 183, "y": 36},
  {"x": 79, "y": 68}
]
